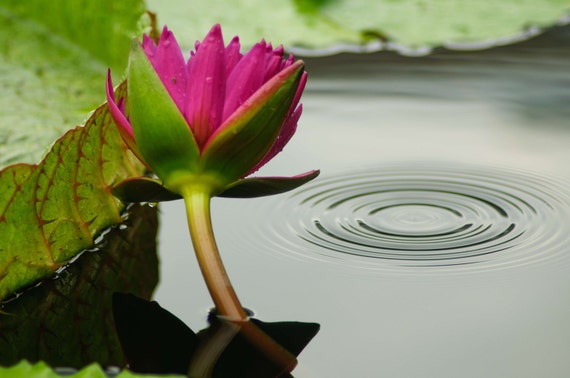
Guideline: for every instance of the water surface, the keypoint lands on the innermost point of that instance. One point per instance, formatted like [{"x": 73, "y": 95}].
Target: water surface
[{"x": 435, "y": 243}]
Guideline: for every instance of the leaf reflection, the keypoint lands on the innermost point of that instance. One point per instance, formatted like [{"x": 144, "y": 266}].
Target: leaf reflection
[{"x": 155, "y": 341}]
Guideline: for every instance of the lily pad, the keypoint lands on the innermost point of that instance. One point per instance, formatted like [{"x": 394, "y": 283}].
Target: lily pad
[
  {"x": 53, "y": 60},
  {"x": 325, "y": 26},
  {"x": 41, "y": 370},
  {"x": 52, "y": 211}
]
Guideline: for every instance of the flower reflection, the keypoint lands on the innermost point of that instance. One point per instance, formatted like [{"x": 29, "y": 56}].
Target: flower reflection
[{"x": 155, "y": 341}]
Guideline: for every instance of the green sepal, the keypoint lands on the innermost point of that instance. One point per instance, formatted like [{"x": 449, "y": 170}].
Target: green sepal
[
  {"x": 145, "y": 189},
  {"x": 250, "y": 132},
  {"x": 266, "y": 186},
  {"x": 163, "y": 136}
]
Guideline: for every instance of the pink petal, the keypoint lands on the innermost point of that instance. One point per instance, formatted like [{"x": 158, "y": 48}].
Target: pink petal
[
  {"x": 287, "y": 62},
  {"x": 299, "y": 92},
  {"x": 148, "y": 46},
  {"x": 233, "y": 56},
  {"x": 122, "y": 123},
  {"x": 118, "y": 116},
  {"x": 169, "y": 64},
  {"x": 273, "y": 64},
  {"x": 245, "y": 79},
  {"x": 206, "y": 86},
  {"x": 286, "y": 133}
]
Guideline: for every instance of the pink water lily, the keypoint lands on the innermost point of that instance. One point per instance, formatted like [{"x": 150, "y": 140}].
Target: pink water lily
[
  {"x": 202, "y": 125},
  {"x": 234, "y": 111}
]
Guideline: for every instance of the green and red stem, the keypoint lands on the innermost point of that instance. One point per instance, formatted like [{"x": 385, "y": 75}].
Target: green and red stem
[
  {"x": 228, "y": 306},
  {"x": 217, "y": 280}
]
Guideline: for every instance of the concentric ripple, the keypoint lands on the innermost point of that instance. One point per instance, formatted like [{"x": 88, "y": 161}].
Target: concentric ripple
[{"x": 424, "y": 215}]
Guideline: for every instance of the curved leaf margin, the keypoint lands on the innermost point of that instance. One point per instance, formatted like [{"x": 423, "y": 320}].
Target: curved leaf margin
[
  {"x": 41, "y": 370},
  {"x": 51, "y": 211}
]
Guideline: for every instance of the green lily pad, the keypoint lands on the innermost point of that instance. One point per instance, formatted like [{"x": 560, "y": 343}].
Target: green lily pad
[
  {"x": 52, "y": 211},
  {"x": 53, "y": 60},
  {"x": 40, "y": 370},
  {"x": 325, "y": 26}
]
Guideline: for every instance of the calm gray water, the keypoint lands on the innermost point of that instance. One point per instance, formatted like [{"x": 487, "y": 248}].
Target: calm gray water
[{"x": 436, "y": 241}]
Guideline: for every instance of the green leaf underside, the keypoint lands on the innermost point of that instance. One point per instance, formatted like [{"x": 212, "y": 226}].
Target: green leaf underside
[
  {"x": 40, "y": 370},
  {"x": 162, "y": 134},
  {"x": 52, "y": 211},
  {"x": 53, "y": 60},
  {"x": 68, "y": 321},
  {"x": 325, "y": 24}
]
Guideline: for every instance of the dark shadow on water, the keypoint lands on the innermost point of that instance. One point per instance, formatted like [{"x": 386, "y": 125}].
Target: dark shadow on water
[{"x": 157, "y": 342}]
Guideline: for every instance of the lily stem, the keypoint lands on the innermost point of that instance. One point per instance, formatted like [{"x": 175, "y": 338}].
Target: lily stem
[
  {"x": 227, "y": 304},
  {"x": 217, "y": 280}
]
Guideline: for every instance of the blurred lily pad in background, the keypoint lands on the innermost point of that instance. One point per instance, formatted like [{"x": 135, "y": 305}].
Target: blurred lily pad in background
[
  {"x": 53, "y": 59},
  {"x": 318, "y": 27},
  {"x": 53, "y": 55},
  {"x": 41, "y": 370}
]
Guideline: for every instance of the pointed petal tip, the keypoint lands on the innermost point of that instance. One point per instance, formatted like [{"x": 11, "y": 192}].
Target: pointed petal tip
[
  {"x": 109, "y": 86},
  {"x": 110, "y": 93},
  {"x": 147, "y": 42},
  {"x": 120, "y": 119},
  {"x": 215, "y": 32},
  {"x": 295, "y": 67},
  {"x": 298, "y": 63},
  {"x": 123, "y": 125},
  {"x": 167, "y": 37}
]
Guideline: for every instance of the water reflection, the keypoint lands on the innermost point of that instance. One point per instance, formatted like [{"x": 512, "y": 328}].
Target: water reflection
[{"x": 157, "y": 342}]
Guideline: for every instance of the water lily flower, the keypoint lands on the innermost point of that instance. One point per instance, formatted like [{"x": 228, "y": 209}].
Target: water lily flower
[
  {"x": 203, "y": 125},
  {"x": 213, "y": 119}
]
